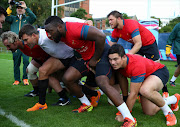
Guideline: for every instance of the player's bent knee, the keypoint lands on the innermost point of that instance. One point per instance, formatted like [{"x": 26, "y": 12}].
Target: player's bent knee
[
  {"x": 43, "y": 71},
  {"x": 31, "y": 71},
  {"x": 150, "y": 113}
]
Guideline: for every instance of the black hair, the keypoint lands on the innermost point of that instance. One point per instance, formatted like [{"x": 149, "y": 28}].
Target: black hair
[
  {"x": 115, "y": 14},
  {"x": 117, "y": 48},
  {"x": 3, "y": 11},
  {"x": 27, "y": 29},
  {"x": 53, "y": 20}
]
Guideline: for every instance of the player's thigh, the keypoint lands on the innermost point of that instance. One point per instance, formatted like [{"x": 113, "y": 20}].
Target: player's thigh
[
  {"x": 77, "y": 70},
  {"x": 151, "y": 83},
  {"x": 50, "y": 66},
  {"x": 148, "y": 107}
]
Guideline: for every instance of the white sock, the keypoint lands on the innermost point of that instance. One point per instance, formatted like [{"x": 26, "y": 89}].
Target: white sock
[
  {"x": 101, "y": 92},
  {"x": 125, "y": 111},
  {"x": 165, "y": 109},
  {"x": 173, "y": 78},
  {"x": 85, "y": 100},
  {"x": 170, "y": 100}
]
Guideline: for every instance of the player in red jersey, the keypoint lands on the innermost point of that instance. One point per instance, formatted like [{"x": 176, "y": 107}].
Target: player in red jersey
[
  {"x": 90, "y": 43},
  {"x": 144, "y": 42},
  {"x": 39, "y": 56},
  {"x": 147, "y": 78}
]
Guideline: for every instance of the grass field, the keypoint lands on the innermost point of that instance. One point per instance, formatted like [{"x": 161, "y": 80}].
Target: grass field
[{"x": 13, "y": 103}]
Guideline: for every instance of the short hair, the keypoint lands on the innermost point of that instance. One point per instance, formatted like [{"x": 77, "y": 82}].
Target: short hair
[
  {"x": 3, "y": 11},
  {"x": 10, "y": 36},
  {"x": 117, "y": 48},
  {"x": 54, "y": 20},
  {"x": 115, "y": 14},
  {"x": 27, "y": 29}
]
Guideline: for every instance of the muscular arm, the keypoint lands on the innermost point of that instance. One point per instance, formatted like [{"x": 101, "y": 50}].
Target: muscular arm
[
  {"x": 123, "y": 83},
  {"x": 137, "y": 45},
  {"x": 134, "y": 89},
  {"x": 99, "y": 37}
]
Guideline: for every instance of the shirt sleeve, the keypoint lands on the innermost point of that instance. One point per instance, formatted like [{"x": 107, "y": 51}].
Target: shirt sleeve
[
  {"x": 113, "y": 37},
  {"x": 138, "y": 74},
  {"x": 134, "y": 28},
  {"x": 84, "y": 32}
]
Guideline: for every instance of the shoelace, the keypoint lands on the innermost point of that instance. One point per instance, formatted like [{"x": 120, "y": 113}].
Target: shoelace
[
  {"x": 170, "y": 116},
  {"x": 125, "y": 123}
]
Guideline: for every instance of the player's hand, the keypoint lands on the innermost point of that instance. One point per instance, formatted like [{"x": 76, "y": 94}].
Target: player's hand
[
  {"x": 23, "y": 4},
  {"x": 168, "y": 55},
  {"x": 9, "y": 1},
  {"x": 89, "y": 22},
  {"x": 91, "y": 65}
]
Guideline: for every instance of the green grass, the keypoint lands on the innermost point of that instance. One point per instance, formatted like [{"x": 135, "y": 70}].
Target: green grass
[{"x": 12, "y": 101}]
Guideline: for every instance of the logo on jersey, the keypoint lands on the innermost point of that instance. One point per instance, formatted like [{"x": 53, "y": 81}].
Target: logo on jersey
[
  {"x": 73, "y": 42},
  {"x": 82, "y": 49},
  {"x": 120, "y": 35}
]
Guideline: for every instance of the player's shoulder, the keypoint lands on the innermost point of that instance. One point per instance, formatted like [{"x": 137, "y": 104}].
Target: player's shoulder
[{"x": 130, "y": 22}]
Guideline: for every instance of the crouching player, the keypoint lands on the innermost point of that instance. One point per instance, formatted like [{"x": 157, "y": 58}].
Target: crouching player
[{"x": 147, "y": 78}]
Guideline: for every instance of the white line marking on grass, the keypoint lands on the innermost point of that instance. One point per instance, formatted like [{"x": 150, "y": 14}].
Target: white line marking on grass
[{"x": 13, "y": 119}]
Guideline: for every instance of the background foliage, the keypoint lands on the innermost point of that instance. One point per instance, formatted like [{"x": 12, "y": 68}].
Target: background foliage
[{"x": 42, "y": 9}]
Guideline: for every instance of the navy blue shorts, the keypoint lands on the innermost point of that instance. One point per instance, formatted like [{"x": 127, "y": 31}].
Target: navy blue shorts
[
  {"x": 150, "y": 51},
  {"x": 163, "y": 74},
  {"x": 178, "y": 59},
  {"x": 68, "y": 61},
  {"x": 103, "y": 67}
]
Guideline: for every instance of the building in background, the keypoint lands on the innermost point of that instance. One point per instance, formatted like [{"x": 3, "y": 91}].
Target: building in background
[{"x": 69, "y": 9}]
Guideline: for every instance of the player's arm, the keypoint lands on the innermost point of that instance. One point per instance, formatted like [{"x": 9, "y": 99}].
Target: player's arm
[
  {"x": 99, "y": 37},
  {"x": 123, "y": 83},
  {"x": 134, "y": 90},
  {"x": 137, "y": 44},
  {"x": 113, "y": 39}
]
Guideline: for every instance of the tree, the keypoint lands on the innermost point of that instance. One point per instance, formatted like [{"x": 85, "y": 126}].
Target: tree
[
  {"x": 169, "y": 27},
  {"x": 80, "y": 13}
]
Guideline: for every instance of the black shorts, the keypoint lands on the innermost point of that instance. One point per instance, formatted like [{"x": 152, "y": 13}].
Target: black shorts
[
  {"x": 90, "y": 80},
  {"x": 68, "y": 61},
  {"x": 103, "y": 67},
  {"x": 178, "y": 59},
  {"x": 41, "y": 61},
  {"x": 163, "y": 74},
  {"x": 150, "y": 51}
]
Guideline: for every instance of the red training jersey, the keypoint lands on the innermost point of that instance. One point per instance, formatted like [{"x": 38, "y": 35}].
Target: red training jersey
[
  {"x": 138, "y": 68},
  {"x": 76, "y": 34},
  {"x": 36, "y": 52},
  {"x": 131, "y": 29}
]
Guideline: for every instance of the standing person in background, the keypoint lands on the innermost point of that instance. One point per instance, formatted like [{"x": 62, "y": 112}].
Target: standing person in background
[
  {"x": 144, "y": 42},
  {"x": 16, "y": 23},
  {"x": 174, "y": 37},
  {"x": 3, "y": 14}
]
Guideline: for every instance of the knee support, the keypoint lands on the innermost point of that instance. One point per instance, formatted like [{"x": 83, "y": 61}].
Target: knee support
[{"x": 31, "y": 71}]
